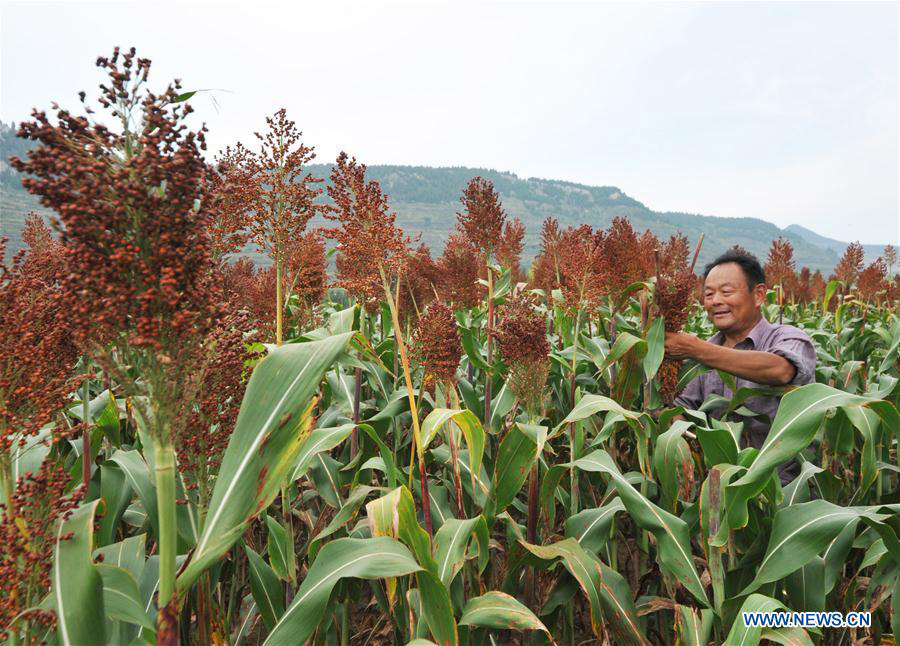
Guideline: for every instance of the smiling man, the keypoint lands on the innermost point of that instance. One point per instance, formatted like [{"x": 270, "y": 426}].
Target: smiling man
[{"x": 756, "y": 352}]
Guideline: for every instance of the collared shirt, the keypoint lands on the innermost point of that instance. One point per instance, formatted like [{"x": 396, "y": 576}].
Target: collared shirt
[{"x": 783, "y": 340}]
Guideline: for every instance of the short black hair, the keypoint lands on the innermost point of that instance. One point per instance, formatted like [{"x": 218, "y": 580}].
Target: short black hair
[{"x": 753, "y": 271}]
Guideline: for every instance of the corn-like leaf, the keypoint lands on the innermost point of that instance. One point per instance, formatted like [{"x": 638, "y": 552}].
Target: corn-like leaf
[
  {"x": 605, "y": 589},
  {"x": 799, "y": 534},
  {"x": 466, "y": 421},
  {"x": 656, "y": 338},
  {"x": 77, "y": 587},
  {"x": 499, "y": 610},
  {"x": 799, "y": 416},
  {"x": 321, "y": 439},
  {"x": 515, "y": 457},
  {"x": 450, "y": 543},
  {"x": 121, "y": 599},
  {"x": 437, "y": 609},
  {"x": 673, "y": 464},
  {"x": 266, "y": 588},
  {"x": 281, "y": 552},
  {"x": 744, "y": 635},
  {"x": 362, "y": 558},
  {"x": 591, "y": 527},
  {"x": 274, "y": 420},
  {"x": 672, "y": 536}
]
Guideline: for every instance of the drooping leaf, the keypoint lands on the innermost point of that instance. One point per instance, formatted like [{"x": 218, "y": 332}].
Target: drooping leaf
[
  {"x": 273, "y": 423},
  {"x": 77, "y": 587},
  {"x": 450, "y": 543},
  {"x": 672, "y": 535},
  {"x": 266, "y": 588},
  {"x": 515, "y": 457},
  {"x": 364, "y": 558},
  {"x": 605, "y": 589},
  {"x": 501, "y": 611},
  {"x": 799, "y": 415},
  {"x": 799, "y": 534}
]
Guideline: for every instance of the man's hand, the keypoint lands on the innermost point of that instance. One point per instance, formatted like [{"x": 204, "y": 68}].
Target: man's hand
[
  {"x": 681, "y": 346},
  {"x": 760, "y": 367}
]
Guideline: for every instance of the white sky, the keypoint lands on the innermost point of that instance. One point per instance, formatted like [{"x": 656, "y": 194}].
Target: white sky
[{"x": 782, "y": 111}]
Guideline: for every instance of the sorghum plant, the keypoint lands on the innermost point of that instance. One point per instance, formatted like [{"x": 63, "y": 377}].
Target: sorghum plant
[
  {"x": 31, "y": 515},
  {"x": 481, "y": 224},
  {"x": 37, "y": 359},
  {"x": 459, "y": 267},
  {"x": 779, "y": 270},
  {"x": 135, "y": 226},
  {"x": 269, "y": 189}
]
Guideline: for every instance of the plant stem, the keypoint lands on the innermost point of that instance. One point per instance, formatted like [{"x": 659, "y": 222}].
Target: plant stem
[
  {"x": 165, "y": 492},
  {"x": 417, "y": 438},
  {"x": 488, "y": 376},
  {"x": 279, "y": 338},
  {"x": 86, "y": 437},
  {"x": 573, "y": 473}
]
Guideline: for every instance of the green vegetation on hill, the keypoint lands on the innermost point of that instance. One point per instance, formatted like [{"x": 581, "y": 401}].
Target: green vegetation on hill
[{"x": 426, "y": 200}]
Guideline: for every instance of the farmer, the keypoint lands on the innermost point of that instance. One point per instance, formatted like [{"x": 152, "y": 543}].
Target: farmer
[{"x": 756, "y": 352}]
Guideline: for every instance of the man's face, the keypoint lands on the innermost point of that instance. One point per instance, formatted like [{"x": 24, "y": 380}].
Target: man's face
[{"x": 730, "y": 305}]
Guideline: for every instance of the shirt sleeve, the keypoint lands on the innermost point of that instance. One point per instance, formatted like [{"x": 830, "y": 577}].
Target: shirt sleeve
[
  {"x": 799, "y": 350},
  {"x": 692, "y": 395}
]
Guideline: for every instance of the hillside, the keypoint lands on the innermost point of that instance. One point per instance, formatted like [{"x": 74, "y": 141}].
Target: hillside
[{"x": 426, "y": 200}]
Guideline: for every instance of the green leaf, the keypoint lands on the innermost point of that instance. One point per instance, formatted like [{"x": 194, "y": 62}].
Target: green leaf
[
  {"x": 501, "y": 611},
  {"x": 516, "y": 455},
  {"x": 29, "y": 457},
  {"x": 591, "y": 405},
  {"x": 321, "y": 439},
  {"x": 605, "y": 589},
  {"x": 127, "y": 554},
  {"x": 121, "y": 599},
  {"x": 799, "y": 534},
  {"x": 672, "y": 535},
  {"x": 266, "y": 588},
  {"x": 394, "y": 515},
  {"x": 625, "y": 343},
  {"x": 742, "y": 635},
  {"x": 76, "y": 586},
  {"x": 138, "y": 475},
  {"x": 274, "y": 420},
  {"x": 673, "y": 464},
  {"x": 799, "y": 416},
  {"x": 591, "y": 527},
  {"x": 806, "y": 586},
  {"x": 718, "y": 444},
  {"x": 363, "y": 558},
  {"x": 437, "y": 609},
  {"x": 656, "y": 347},
  {"x": 471, "y": 347},
  {"x": 450, "y": 543},
  {"x": 280, "y": 550},
  {"x": 116, "y": 494},
  {"x": 466, "y": 421}
]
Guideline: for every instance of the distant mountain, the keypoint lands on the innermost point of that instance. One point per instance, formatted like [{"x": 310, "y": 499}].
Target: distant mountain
[
  {"x": 426, "y": 200},
  {"x": 872, "y": 251}
]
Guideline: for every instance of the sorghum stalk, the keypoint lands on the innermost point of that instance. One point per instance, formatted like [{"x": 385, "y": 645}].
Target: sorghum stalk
[
  {"x": 164, "y": 456},
  {"x": 417, "y": 437},
  {"x": 573, "y": 473},
  {"x": 454, "y": 453},
  {"x": 86, "y": 437},
  {"x": 490, "y": 325}
]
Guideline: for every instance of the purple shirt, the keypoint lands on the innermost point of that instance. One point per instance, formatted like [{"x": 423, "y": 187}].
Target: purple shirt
[{"x": 784, "y": 340}]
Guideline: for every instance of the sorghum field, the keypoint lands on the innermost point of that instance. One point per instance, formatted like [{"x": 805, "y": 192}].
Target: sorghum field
[{"x": 405, "y": 450}]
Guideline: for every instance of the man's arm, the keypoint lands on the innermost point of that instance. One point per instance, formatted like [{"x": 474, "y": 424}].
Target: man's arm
[{"x": 760, "y": 367}]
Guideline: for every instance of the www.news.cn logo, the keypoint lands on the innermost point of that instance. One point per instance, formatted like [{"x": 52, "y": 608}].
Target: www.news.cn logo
[{"x": 807, "y": 619}]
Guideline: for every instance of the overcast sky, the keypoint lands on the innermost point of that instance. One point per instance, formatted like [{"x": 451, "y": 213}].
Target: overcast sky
[{"x": 781, "y": 111}]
